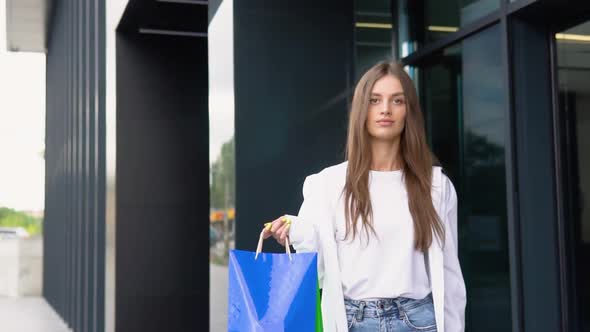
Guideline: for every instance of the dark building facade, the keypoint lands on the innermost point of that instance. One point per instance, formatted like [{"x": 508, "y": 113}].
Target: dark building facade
[
  {"x": 495, "y": 78},
  {"x": 74, "y": 225},
  {"x": 261, "y": 89},
  {"x": 127, "y": 183},
  {"x": 503, "y": 88}
]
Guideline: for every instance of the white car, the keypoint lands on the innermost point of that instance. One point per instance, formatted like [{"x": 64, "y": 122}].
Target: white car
[{"x": 13, "y": 233}]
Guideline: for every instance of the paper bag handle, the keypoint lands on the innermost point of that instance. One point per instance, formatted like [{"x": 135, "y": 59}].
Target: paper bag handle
[{"x": 261, "y": 239}]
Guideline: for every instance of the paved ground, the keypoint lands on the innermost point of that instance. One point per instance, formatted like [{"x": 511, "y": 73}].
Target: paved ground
[
  {"x": 33, "y": 314},
  {"x": 218, "y": 298},
  {"x": 29, "y": 314}
]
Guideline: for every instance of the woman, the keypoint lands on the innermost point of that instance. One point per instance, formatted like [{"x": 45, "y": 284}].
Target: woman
[{"x": 384, "y": 223}]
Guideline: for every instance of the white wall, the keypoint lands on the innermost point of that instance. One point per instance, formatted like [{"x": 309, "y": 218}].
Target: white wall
[
  {"x": 114, "y": 11},
  {"x": 9, "y": 270},
  {"x": 21, "y": 262}
]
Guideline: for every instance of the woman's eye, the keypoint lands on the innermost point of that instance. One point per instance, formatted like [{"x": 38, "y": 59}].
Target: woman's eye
[
  {"x": 398, "y": 101},
  {"x": 374, "y": 101}
]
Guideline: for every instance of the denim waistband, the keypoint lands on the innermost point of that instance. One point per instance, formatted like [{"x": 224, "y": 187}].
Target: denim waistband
[{"x": 387, "y": 306}]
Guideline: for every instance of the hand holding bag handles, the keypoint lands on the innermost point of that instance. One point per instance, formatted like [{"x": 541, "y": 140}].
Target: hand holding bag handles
[{"x": 261, "y": 240}]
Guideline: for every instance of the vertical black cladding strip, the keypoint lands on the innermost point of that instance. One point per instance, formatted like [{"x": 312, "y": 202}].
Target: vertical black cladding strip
[
  {"x": 91, "y": 144},
  {"x": 63, "y": 157},
  {"x": 100, "y": 70},
  {"x": 67, "y": 204},
  {"x": 73, "y": 217},
  {"x": 73, "y": 164},
  {"x": 84, "y": 173},
  {"x": 60, "y": 131},
  {"x": 72, "y": 172},
  {"x": 537, "y": 209},
  {"x": 511, "y": 177},
  {"x": 76, "y": 143},
  {"x": 81, "y": 162},
  {"x": 78, "y": 176},
  {"x": 84, "y": 166}
]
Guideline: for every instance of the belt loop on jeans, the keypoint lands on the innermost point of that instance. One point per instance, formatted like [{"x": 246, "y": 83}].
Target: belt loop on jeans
[
  {"x": 360, "y": 312},
  {"x": 400, "y": 309}
]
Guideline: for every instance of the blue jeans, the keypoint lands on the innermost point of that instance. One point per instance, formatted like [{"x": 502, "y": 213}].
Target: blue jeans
[{"x": 391, "y": 315}]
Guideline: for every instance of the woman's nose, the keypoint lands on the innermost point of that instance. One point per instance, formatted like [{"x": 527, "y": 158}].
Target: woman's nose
[{"x": 385, "y": 110}]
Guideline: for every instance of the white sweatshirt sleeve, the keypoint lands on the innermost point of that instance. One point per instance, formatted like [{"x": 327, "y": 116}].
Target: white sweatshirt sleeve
[{"x": 455, "y": 293}]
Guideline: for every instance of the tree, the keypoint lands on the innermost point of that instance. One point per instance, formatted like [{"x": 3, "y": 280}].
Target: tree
[
  {"x": 12, "y": 218},
  {"x": 223, "y": 175}
]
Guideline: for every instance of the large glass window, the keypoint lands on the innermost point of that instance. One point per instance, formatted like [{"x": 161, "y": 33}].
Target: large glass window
[
  {"x": 373, "y": 33},
  {"x": 464, "y": 100},
  {"x": 443, "y": 17},
  {"x": 573, "y": 47},
  {"x": 423, "y": 22}
]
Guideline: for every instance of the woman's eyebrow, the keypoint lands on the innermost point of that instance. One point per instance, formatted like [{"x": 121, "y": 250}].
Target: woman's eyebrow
[{"x": 395, "y": 94}]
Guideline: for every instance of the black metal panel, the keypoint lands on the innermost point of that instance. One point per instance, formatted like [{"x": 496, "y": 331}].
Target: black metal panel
[
  {"x": 164, "y": 15},
  {"x": 54, "y": 223},
  {"x": 162, "y": 255},
  {"x": 511, "y": 183},
  {"x": 292, "y": 80},
  {"x": 553, "y": 12},
  {"x": 536, "y": 177},
  {"x": 75, "y": 165}
]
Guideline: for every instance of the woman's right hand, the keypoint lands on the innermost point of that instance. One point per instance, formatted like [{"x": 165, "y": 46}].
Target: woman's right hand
[{"x": 278, "y": 228}]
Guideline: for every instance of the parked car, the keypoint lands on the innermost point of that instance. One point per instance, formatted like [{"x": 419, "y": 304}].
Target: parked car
[
  {"x": 13, "y": 233},
  {"x": 213, "y": 236}
]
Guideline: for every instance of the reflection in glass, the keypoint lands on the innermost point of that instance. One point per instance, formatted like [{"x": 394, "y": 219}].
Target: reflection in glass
[
  {"x": 464, "y": 104},
  {"x": 444, "y": 17},
  {"x": 221, "y": 159},
  {"x": 422, "y": 22},
  {"x": 573, "y": 47},
  {"x": 373, "y": 33}
]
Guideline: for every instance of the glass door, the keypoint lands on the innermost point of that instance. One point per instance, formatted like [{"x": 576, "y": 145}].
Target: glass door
[{"x": 573, "y": 88}]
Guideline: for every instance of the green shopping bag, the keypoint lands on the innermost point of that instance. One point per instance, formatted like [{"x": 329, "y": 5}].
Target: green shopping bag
[{"x": 318, "y": 314}]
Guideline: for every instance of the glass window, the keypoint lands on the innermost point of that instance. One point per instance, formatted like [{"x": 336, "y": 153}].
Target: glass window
[
  {"x": 422, "y": 22},
  {"x": 373, "y": 33},
  {"x": 464, "y": 100},
  {"x": 573, "y": 47}
]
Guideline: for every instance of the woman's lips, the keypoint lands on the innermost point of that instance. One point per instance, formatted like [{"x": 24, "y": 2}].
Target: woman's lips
[{"x": 385, "y": 123}]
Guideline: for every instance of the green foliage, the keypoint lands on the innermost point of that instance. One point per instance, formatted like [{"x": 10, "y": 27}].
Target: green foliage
[
  {"x": 223, "y": 177},
  {"x": 12, "y": 218}
]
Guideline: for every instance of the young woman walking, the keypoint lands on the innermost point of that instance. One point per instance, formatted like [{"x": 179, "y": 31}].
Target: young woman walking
[{"x": 384, "y": 222}]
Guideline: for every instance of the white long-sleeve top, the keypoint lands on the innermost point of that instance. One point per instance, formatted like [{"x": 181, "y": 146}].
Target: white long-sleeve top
[
  {"x": 385, "y": 264},
  {"x": 314, "y": 229}
]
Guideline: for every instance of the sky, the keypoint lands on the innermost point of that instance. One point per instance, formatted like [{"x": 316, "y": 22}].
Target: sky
[
  {"x": 22, "y": 126},
  {"x": 221, "y": 79}
]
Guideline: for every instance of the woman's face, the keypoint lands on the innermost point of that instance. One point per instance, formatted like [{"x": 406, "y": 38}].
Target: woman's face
[{"x": 387, "y": 109}]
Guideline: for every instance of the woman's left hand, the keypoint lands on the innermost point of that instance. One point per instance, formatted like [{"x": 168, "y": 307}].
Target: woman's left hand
[{"x": 278, "y": 228}]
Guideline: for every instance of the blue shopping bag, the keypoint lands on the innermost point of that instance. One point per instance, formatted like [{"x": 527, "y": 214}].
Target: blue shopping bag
[{"x": 272, "y": 292}]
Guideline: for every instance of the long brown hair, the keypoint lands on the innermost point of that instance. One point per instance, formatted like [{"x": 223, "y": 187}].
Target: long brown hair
[{"x": 416, "y": 158}]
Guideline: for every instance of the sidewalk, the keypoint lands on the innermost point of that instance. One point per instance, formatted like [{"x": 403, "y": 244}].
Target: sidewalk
[
  {"x": 33, "y": 314},
  {"x": 29, "y": 314},
  {"x": 218, "y": 298}
]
